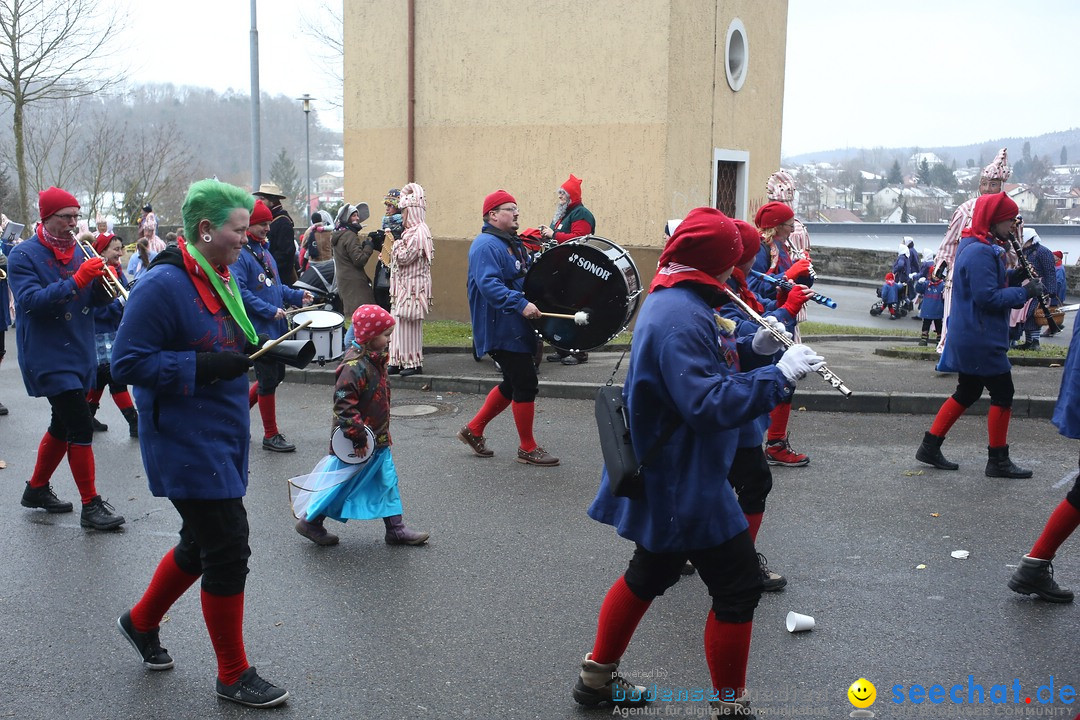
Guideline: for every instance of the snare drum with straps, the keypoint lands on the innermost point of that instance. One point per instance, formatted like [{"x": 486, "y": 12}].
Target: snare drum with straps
[{"x": 588, "y": 274}]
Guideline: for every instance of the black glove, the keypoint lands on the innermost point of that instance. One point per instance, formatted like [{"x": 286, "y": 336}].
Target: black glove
[
  {"x": 227, "y": 365},
  {"x": 377, "y": 238},
  {"x": 251, "y": 348},
  {"x": 1035, "y": 289}
]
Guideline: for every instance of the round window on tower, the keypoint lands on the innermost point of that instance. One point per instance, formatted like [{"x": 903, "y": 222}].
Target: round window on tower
[{"x": 736, "y": 55}]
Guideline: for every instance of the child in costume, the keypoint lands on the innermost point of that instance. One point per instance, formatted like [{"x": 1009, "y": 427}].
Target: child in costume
[
  {"x": 932, "y": 307},
  {"x": 343, "y": 491},
  {"x": 890, "y": 295}
]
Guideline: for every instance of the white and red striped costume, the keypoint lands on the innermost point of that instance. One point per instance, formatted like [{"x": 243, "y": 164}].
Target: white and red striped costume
[
  {"x": 961, "y": 221},
  {"x": 410, "y": 280}
]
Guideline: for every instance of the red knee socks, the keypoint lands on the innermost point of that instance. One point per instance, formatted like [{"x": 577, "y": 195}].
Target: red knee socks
[
  {"x": 754, "y": 520},
  {"x": 494, "y": 404},
  {"x": 81, "y": 461},
  {"x": 51, "y": 451},
  {"x": 253, "y": 394},
  {"x": 1063, "y": 521},
  {"x": 778, "y": 420},
  {"x": 997, "y": 425},
  {"x": 619, "y": 617},
  {"x": 268, "y": 411},
  {"x": 122, "y": 400},
  {"x": 166, "y": 586},
  {"x": 727, "y": 648},
  {"x": 949, "y": 413},
  {"x": 94, "y": 395},
  {"x": 523, "y": 420},
  {"x": 224, "y": 617}
]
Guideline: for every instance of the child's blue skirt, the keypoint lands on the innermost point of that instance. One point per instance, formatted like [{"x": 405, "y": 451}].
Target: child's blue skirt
[{"x": 348, "y": 492}]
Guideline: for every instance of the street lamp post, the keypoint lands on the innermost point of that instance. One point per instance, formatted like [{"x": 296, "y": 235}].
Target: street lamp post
[{"x": 307, "y": 150}]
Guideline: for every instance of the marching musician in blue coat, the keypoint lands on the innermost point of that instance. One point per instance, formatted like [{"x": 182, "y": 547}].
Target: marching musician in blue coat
[
  {"x": 685, "y": 372},
  {"x": 183, "y": 346},
  {"x": 1035, "y": 573},
  {"x": 977, "y": 339},
  {"x": 932, "y": 306},
  {"x": 265, "y": 298},
  {"x": 55, "y": 291}
]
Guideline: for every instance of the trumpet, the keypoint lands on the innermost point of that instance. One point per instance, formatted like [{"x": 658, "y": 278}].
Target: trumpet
[
  {"x": 109, "y": 281},
  {"x": 823, "y": 371},
  {"x": 3, "y": 275}
]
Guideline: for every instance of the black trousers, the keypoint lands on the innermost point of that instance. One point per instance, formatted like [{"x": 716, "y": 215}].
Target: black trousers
[
  {"x": 751, "y": 478},
  {"x": 214, "y": 543},
  {"x": 104, "y": 377},
  {"x": 730, "y": 571},
  {"x": 969, "y": 388},
  {"x": 70, "y": 420},
  {"x": 269, "y": 374},
  {"x": 926, "y": 325},
  {"x": 520, "y": 383}
]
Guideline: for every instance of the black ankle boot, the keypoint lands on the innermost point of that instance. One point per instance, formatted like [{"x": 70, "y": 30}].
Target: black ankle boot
[
  {"x": 98, "y": 426},
  {"x": 929, "y": 452},
  {"x": 924, "y": 339},
  {"x": 132, "y": 417},
  {"x": 998, "y": 464},
  {"x": 1035, "y": 576}
]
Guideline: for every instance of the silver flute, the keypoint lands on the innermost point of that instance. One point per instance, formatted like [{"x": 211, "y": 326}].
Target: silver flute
[
  {"x": 823, "y": 371},
  {"x": 796, "y": 255}
]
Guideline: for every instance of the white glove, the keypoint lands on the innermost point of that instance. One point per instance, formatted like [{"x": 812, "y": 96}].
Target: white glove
[
  {"x": 764, "y": 343},
  {"x": 798, "y": 362}
]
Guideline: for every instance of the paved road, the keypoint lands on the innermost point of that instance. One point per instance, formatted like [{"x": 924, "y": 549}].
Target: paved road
[{"x": 490, "y": 619}]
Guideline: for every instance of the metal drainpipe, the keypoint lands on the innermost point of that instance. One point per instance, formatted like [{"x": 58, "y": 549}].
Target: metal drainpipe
[{"x": 410, "y": 169}]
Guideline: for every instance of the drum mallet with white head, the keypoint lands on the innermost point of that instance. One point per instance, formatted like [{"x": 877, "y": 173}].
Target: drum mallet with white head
[{"x": 580, "y": 317}]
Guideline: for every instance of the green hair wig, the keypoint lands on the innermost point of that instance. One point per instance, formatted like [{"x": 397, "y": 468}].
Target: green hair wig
[{"x": 212, "y": 200}]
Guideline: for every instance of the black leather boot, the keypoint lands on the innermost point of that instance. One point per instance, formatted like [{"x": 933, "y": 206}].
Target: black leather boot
[
  {"x": 924, "y": 339},
  {"x": 929, "y": 452},
  {"x": 998, "y": 464},
  {"x": 132, "y": 417},
  {"x": 98, "y": 426},
  {"x": 1035, "y": 576}
]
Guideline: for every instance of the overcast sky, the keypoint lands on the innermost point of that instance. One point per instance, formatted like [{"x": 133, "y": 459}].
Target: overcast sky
[{"x": 860, "y": 73}]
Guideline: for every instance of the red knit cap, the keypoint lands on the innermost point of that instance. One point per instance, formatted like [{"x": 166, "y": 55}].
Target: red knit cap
[
  {"x": 369, "y": 321},
  {"x": 495, "y": 199},
  {"x": 705, "y": 244},
  {"x": 772, "y": 214},
  {"x": 54, "y": 200},
  {"x": 750, "y": 239},
  {"x": 102, "y": 241},
  {"x": 573, "y": 189},
  {"x": 260, "y": 213},
  {"x": 990, "y": 209},
  {"x": 889, "y": 277}
]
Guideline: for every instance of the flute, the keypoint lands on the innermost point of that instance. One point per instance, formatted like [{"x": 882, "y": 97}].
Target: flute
[
  {"x": 1018, "y": 248},
  {"x": 823, "y": 371},
  {"x": 786, "y": 284},
  {"x": 797, "y": 255}
]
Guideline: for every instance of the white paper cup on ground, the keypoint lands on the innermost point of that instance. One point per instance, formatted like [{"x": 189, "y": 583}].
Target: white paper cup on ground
[{"x": 797, "y": 622}]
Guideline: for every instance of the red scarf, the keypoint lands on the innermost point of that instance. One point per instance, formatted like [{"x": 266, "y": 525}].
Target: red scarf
[
  {"x": 201, "y": 282},
  {"x": 63, "y": 249},
  {"x": 745, "y": 293}
]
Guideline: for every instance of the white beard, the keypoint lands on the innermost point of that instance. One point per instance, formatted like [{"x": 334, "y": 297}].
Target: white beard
[{"x": 560, "y": 213}]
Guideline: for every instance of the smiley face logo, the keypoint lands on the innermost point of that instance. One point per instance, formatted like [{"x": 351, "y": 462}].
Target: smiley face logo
[{"x": 862, "y": 693}]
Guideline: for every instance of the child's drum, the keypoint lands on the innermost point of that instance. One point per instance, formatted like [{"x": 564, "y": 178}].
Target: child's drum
[
  {"x": 590, "y": 274},
  {"x": 326, "y": 331}
]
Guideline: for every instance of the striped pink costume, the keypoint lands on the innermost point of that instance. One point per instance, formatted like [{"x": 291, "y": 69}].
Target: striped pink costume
[
  {"x": 781, "y": 187},
  {"x": 961, "y": 221},
  {"x": 410, "y": 280}
]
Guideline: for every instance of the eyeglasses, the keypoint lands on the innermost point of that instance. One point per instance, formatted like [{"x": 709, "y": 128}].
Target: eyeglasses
[
  {"x": 512, "y": 208},
  {"x": 69, "y": 218}
]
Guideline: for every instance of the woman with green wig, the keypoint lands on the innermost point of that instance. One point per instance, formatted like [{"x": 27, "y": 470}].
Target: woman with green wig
[{"x": 188, "y": 367}]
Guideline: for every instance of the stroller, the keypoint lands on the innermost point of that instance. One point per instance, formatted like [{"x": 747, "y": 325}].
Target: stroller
[
  {"x": 319, "y": 280},
  {"x": 895, "y": 308}
]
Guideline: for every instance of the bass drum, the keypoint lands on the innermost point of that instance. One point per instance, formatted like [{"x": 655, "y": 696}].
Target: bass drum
[{"x": 588, "y": 274}]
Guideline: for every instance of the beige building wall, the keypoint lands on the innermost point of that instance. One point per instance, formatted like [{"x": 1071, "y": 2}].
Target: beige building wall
[{"x": 630, "y": 96}]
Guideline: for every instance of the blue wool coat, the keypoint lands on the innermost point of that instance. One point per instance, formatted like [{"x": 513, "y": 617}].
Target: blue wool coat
[
  {"x": 194, "y": 437},
  {"x": 763, "y": 288},
  {"x": 261, "y": 300},
  {"x": 678, "y": 368},
  {"x": 977, "y": 341},
  {"x": 497, "y": 267},
  {"x": 1062, "y": 285},
  {"x": 933, "y": 303},
  {"x": 1067, "y": 411},
  {"x": 890, "y": 293},
  {"x": 54, "y": 320}
]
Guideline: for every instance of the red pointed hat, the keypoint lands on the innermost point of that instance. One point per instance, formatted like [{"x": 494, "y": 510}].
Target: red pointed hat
[
  {"x": 54, "y": 200},
  {"x": 573, "y": 189},
  {"x": 750, "y": 239},
  {"x": 990, "y": 209},
  {"x": 260, "y": 213},
  {"x": 369, "y": 321},
  {"x": 772, "y": 214},
  {"x": 705, "y": 244}
]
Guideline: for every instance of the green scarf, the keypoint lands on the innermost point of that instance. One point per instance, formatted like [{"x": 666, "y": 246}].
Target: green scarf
[{"x": 229, "y": 296}]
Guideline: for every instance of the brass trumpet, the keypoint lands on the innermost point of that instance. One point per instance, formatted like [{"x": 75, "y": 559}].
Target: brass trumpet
[{"x": 109, "y": 281}]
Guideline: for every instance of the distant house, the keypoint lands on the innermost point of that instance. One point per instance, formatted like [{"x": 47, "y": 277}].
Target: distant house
[
  {"x": 329, "y": 181},
  {"x": 924, "y": 204},
  {"x": 1024, "y": 198},
  {"x": 838, "y": 215},
  {"x": 931, "y": 159}
]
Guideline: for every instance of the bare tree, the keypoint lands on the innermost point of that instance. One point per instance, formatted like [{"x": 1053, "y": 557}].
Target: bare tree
[
  {"x": 53, "y": 142},
  {"x": 105, "y": 155},
  {"x": 326, "y": 30},
  {"x": 51, "y": 50},
  {"x": 157, "y": 158}
]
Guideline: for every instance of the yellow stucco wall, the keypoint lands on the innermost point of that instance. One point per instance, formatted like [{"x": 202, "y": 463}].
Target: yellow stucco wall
[{"x": 630, "y": 96}]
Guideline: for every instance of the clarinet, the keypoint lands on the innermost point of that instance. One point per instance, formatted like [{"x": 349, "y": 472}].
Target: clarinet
[
  {"x": 1018, "y": 248},
  {"x": 823, "y": 371},
  {"x": 786, "y": 284}
]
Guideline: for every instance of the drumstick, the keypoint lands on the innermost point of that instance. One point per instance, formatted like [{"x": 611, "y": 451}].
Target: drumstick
[
  {"x": 262, "y": 351},
  {"x": 580, "y": 317}
]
